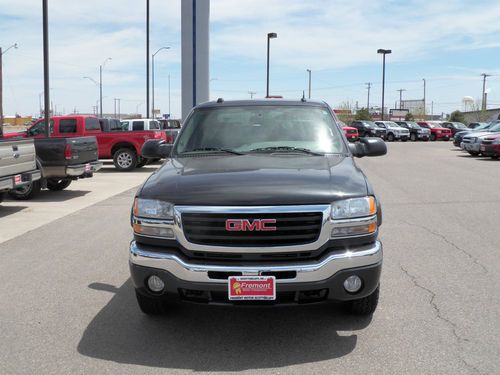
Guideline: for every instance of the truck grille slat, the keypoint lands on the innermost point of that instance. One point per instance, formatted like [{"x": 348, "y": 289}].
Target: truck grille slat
[{"x": 291, "y": 229}]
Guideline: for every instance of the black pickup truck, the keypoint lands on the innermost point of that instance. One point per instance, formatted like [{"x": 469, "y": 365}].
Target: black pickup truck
[
  {"x": 259, "y": 202},
  {"x": 61, "y": 160}
]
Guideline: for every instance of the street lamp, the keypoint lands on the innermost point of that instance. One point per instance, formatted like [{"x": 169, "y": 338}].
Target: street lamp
[
  {"x": 153, "y": 78},
  {"x": 309, "y": 71},
  {"x": 1, "y": 85},
  {"x": 269, "y": 37},
  {"x": 383, "y": 52},
  {"x": 99, "y": 86},
  {"x": 101, "y": 67}
]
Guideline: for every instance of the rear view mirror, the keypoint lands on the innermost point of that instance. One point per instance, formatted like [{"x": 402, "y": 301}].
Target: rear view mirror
[
  {"x": 368, "y": 147},
  {"x": 153, "y": 149}
]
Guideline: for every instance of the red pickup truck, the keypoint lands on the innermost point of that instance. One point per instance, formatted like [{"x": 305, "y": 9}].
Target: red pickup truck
[
  {"x": 124, "y": 147},
  {"x": 437, "y": 130}
]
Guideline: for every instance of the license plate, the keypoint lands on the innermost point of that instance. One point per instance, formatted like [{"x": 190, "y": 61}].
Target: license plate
[
  {"x": 254, "y": 288},
  {"x": 88, "y": 168},
  {"x": 18, "y": 179}
]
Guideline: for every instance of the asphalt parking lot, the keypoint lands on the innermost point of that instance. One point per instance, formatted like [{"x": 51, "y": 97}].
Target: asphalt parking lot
[{"x": 68, "y": 306}]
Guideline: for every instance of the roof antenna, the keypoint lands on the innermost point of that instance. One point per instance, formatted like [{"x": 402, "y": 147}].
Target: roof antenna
[{"x": 303, "y": 96}]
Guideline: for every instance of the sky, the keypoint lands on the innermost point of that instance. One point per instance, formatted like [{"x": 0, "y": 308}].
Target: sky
[{"x": 448, "y": 43}]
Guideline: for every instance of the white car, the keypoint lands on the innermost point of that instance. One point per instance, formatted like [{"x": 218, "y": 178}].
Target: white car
[
  {"x": 140, "y": 124},
  {"x": 394, "y": 131}
]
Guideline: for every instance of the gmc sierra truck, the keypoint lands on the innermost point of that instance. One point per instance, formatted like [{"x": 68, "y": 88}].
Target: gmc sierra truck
[{"x": 258, "y": 202}]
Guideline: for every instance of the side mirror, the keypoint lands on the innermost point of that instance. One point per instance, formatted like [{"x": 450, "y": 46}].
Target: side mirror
[
  {"x": 368, "y": 147},
  {"x": 153, "y": 149}
]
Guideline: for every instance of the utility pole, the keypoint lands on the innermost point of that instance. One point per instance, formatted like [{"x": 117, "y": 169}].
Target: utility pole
[
  {"x": 119, "y": 108},
  {"x": 368, "y": 87},
  {"x": 46, "y": 88},
  {"x": 252, "y": 93},
  {"x": 309, "y": 71},
  {"x": 483, "y": 105},
  {"x": 423, "y": 79},
  {"x": 432, "y": 108}
]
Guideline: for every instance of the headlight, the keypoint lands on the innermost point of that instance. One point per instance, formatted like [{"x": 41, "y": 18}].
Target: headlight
[
  {"x": 153, "y": 218},
  {"x": 438, "y": 131},
  {"x": 353, "y": 208},
  {"x": 153, "y": 209}
]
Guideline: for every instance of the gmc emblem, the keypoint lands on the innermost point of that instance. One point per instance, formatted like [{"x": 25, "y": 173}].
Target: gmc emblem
[{"x": 257, "y": 225}]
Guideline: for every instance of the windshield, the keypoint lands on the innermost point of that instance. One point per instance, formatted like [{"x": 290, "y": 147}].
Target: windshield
[
  {"x": 495, "y": 128},
  {"x": 392, "y": 124},
  {"x": 369, "y": 124},
  {"x": 459, "y": 125},
  {"x": 247, "y": 128},
  {"x": 413, "y": 125}
]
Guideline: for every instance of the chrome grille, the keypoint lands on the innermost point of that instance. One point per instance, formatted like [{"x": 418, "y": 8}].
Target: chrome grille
[{"x": 291, "y": 229}]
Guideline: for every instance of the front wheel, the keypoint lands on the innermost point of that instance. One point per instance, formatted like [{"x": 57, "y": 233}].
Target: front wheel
[
  {"x": 150, "y": 306},
  {"x": 364, "y": 306},
  {"x": 125, "y": 159},
  {"x": 55, "y": 184},
  {"x": 433, "y": 137},
  {"x": 473, "y": 153},
  {"x": 26, "y": 192},
  {"x": 390, "y": 137}
]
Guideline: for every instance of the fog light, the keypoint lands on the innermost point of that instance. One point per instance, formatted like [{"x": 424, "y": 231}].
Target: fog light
[
  {"x": 352, "y": 284},
  {"x": 153, "y": 231},
  {"x": 155, "y": 284}
]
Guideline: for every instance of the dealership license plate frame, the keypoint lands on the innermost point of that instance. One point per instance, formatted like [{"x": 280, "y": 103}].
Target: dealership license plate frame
[{"x": 247, "y": 293}]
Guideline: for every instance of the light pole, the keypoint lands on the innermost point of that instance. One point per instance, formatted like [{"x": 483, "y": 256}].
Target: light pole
[
  {"x": 147, "y": 58},
  {"x": 309, "y": 71},
  {"x": 368, "y": 87},
  {"x": 269, "y": 37},
  {"x": 483, "y": 102},
  {"x": 1, "y": 85},
  {"x": 423, "y": 79},
  {"x": 101, "y": 67},
  {"x": 153, "y": 79},
  {"x": 400, "y": 100},
  {"x": 383, "y": 52},
  {"x": 169, "y": 113}
]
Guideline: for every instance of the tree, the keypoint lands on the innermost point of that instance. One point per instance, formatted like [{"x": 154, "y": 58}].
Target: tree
[
  {"x": 363, "y": 115},
  {"x": 457, "y": 116},
  {"x": 409, "y": 117}
]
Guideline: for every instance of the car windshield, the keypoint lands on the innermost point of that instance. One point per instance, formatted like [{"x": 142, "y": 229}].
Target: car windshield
[
  {"x": 261, "y": 128},
  {"x": 482, "y": 126},
  {"x": 495, "y": 128},
  {"x": 392, "y": 124},
  {"x": 434, "y": 126},
  {"x": 413, "y": 125},
  {"x": 369, "y": 124}
]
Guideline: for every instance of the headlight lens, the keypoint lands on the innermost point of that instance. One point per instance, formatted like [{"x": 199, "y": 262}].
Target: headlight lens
[
  {"x": 153, "y": 209},
  {"x": 439, "y": 132},
  {"x": 353, "y": 208}
]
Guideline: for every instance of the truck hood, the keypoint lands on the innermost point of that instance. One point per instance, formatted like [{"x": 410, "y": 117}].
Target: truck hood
[
  {"x": 15, "y": 135},
  {"x": 250, "y": 180}
]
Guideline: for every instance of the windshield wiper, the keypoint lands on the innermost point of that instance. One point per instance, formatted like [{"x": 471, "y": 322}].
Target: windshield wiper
[
  {"x": 212, "y": 149},
  {"x": 286, "y": 149}
]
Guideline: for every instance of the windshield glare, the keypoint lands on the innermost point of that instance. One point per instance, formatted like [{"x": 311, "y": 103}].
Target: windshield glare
[
  {"x": 369, "y": 124},
  {"x": 246, "y": 128},
  {"x": 495, "y": 128}
]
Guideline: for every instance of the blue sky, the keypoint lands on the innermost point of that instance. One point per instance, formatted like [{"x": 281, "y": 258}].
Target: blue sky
[{"x": 449, "y": 43}]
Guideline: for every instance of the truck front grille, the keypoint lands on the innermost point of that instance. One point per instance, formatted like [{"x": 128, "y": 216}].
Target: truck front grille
[{"x": 291, "y": 229}]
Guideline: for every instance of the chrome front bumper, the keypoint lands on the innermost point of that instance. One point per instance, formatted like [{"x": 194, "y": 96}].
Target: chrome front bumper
[{"x": 305, "y": 272}]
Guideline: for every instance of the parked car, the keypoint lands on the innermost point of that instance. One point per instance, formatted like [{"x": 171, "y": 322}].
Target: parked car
[
  {"x": 350, "y": 133},
  {"x": 245, "y": 213},
  {"x": 474, "y": 125},
  {"x": 394, "y": 131},
  {"x": 457, "y": 139},
  {"x": 437, "y": 130},
  {"x": 416, "y": 132},
  {"x": 124, "y": 146},
  {"x": 140, "y": 124},
  {"x": 368, "y": 129},
  {"x": 17, "y": 164},
  {"x": 490, "y": 146},
  {"x": 455, "y": 127},
  {"x": 172, "y": 127},
  {"x": 472, "y": 142}
]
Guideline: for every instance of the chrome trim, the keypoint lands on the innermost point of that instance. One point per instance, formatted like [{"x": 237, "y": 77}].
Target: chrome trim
[
  {"x": 96, "y": 165},
  {"x": 75, "y": 170},
  {"x": 306, "y": 272},
  {"x": 325, "y": 235}
]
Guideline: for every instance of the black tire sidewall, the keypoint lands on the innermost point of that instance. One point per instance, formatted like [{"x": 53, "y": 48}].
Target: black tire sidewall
[{"x": 132, "y": 154}]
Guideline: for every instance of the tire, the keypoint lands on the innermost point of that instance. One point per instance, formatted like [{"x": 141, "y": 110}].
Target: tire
[
  {"x": 55, "y": 184},
  {"x": 473, "y": 153},
  {"x": 150, "y": 306},
  {"x": 404, "y": 139},
  {"x": 142, "y": 162},
  {"x": 446, "y": 139},
  {"x": 413, "y": 137},
  {"x": 494, "y": 157},
  {"x": 2, "y": 195},
  {"x": 26, "y": 192},
  {"x": 433, "y": 137},
  {"x": 390, "y": 137},
  {"x": 364, "y": 306},
  {"x": 125, "y": 159}
]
